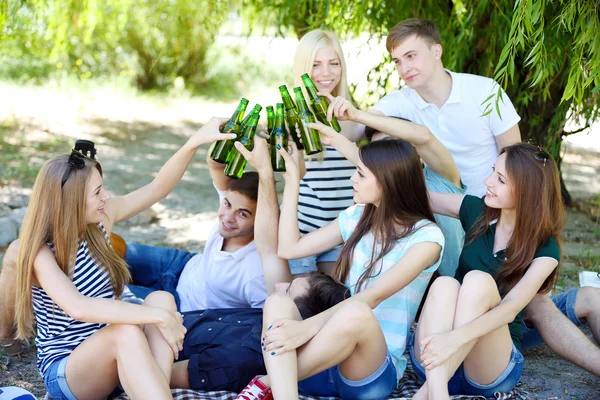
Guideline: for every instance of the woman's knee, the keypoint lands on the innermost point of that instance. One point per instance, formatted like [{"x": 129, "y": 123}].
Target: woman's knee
[
  {"x": 127, "y": 335},
  {"x": 587, "y": 302},
  {"x": 354, "y": 317},
  {"x": 443, "y": 287},
  {"x": 480, "y": 286},
  {"x": 161, "y": 299}
]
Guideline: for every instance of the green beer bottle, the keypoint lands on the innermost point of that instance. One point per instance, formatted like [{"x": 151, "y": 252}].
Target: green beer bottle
[
  {"x": 279, "y": 136},
  {"x": 291, "y": 115},
  {"x": 270, "y": 119},
  {"x": 255, "y": 110},
  {"x": 310, "y": 137},
  {"x": 319, "y": 104},
  {"x": 236, "y": 161},
  {"x": 234, "y": 125}
]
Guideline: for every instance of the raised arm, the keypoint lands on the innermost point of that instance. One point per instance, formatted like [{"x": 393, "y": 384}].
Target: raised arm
[
  {"x": 446, "y": 203},
  {"x": 123, "y": 207},
  {"x": 427, "y": 145},
  {"x": 267, "y": 215},
  {"x": 291, "y": 244}
]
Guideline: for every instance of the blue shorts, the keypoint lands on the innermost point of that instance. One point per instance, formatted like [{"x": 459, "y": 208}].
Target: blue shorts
[
  {"x": 460, "y": 383},
  {"x": 56, "y": 382},
  {"x": 309, "y": 264},
  {"x": 155, "y": 268},
  {"x": 331, "y": 383},
  {"x": 565, "y": 302}
]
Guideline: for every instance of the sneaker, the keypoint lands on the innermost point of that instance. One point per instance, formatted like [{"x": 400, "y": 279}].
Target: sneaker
[{"x": 255, "y": 390}]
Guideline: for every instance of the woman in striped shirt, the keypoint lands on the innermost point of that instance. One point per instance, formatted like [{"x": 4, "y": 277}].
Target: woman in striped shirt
[
  {"x": 325, "y": 189},
  {"x": 68, "y": 279}
]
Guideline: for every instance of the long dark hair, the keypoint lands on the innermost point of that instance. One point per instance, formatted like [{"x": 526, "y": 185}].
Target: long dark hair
[
  {"x": 540, "y": 214},
  {"x": 397, "y": 168}
]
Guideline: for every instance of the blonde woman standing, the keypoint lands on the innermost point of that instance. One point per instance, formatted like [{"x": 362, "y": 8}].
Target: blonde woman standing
[{"x": 325, "y": 189}]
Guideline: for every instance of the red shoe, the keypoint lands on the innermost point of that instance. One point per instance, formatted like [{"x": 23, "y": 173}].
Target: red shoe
[{"x": 255, "y": 390}]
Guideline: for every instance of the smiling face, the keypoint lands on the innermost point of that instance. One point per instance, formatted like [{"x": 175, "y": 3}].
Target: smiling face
[
  {"x": 327, "y": 69},
  {"x": 365, "y": 188},
  {"x": 417, "y": 61},
  {"x": 236, "y": 216},
  {"x": 499, "y": 190},
  {"x": 95, "y": 198},
  {"x": 296, "y": 288}
]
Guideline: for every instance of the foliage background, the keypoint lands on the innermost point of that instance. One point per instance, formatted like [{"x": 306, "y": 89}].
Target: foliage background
[{"x": 545, "y": 53}]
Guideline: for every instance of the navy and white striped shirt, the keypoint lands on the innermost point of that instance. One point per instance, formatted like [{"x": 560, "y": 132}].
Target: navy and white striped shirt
[
  {"x": 57, "y": 333},
  {"x": 325, "y": 190}
]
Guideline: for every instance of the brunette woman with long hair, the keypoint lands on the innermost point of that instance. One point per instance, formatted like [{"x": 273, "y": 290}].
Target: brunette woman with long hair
[
  {"x": 469, "y": 334},
  {"x": 69, "y": 277},
  {"x": 391, "y": 247}
]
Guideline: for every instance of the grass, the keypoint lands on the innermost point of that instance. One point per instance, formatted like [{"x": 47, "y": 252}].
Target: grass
[{"x": 20, "y": 157}]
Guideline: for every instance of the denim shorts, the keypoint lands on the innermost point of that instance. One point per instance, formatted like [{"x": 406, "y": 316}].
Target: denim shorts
[
  {"x": 460, "y": 383},
  {"x": 56, "y": 382},
  {"x": 565, "y": 302},
  {"x": 309, "y": 264},
  {"x": 155, "y": 268},
  {"x": 331, "y": 383}
]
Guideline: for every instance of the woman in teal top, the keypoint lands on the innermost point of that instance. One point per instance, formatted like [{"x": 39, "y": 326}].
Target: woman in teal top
[{"x": 468, "y": 338}]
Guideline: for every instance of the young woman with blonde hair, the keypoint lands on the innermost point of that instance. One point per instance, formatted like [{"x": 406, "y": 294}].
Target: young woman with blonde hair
[
  {"x": 69, "y": 277},
  {"x": 325, "y": 190}
]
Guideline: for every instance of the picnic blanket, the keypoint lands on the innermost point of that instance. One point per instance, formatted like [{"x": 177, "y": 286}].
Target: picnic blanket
[{"x": 407, "y": 387}]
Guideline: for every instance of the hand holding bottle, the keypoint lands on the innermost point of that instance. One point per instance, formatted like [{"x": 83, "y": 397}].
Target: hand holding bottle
[
  {"x": 327, "y": 133},
  {"x": 210, "y": 133},
  {"x": 341, "y": 107},
  {"x": 259, "y": 156}
]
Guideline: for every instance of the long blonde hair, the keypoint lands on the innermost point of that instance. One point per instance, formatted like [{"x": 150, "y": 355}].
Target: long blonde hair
[
  {"x": 306, "y": 51},
  {"x": 56, "y": 214}
]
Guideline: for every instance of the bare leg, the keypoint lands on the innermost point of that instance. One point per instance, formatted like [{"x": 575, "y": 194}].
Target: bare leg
[
  {"x": 159, "y": 348},
  {"x": 561, "y": 335},
  {"x": 8, "y": 279},
  {"x": 179, "y": 377},
  {"x": 484, "y": 358},
  {"x": 117, "y": 352},
  {"x": 437, "y": 316},
  {"x": 281, "y": 369},
  {"x": 352, "y": 338},
  {"x": 587, "y": 308}
]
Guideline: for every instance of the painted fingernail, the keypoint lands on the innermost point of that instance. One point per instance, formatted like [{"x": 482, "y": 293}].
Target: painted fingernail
[
  {"x": 269, "y": 328},
  {"x": 305, "y": 123},
  {"x": 278, "y": 147},
  {"x": 233, "y": 135},
  {"x": 421, "y": 349},
  {"x": 264, "y": 349},
  {"x": 263, "y": 344},
  {"x": 272, "y": 353}
]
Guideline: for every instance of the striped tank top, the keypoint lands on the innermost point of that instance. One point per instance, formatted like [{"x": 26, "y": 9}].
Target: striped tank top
[
  {"x": 325, "y": 190},
  {"x": 57, "y": 333}
]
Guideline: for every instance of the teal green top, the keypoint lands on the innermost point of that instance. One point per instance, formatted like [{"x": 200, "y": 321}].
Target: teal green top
[{"x": 479, "y": 253}]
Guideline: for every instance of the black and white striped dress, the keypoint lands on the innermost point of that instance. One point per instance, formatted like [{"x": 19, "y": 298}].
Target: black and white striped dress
[
  {"x": 325, "y": 190},
  {"x": 57, "y": 333}
]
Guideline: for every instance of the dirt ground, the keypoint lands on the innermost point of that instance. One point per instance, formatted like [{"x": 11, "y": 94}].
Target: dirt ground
[{"x": 135, "y": 136}]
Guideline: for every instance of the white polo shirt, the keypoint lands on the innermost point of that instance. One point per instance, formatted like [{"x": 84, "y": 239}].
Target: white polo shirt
[
  {"x": 459, "y": 124},
  {"x": 220, "y": 279}
]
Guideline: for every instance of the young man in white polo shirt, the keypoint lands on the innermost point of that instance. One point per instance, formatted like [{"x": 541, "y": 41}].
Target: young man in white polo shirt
[
  {"x": 450, "y": 104},
  {"x": 227, "y": 274}
]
